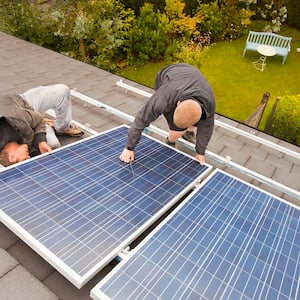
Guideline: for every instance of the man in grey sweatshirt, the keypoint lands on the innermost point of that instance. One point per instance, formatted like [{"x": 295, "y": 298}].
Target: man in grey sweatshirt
[{"x": 184, "y": 97}]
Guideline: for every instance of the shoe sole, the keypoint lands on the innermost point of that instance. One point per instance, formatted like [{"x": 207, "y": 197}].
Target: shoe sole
[{"x": 70, "y": 134}]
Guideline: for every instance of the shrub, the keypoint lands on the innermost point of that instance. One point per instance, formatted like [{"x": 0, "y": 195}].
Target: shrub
[
  {"x": 148, "y": 36},
  {"x": 25, "y": 20},
  {"x": 212, "y": 21},
  {"x": 293, "y": 7},
  {"x": 192, "y": 54},
  {"x": 286, "y": 119},
  {"x": 229, "y": 22}
]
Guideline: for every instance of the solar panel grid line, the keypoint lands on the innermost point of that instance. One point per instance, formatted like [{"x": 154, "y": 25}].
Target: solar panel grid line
[
  {"x": 245, "y": 279},
  {"x": 249, "y": 254},
  {"x": 44, "y": 252},
  {"x": 280, "y": 245},
  {"x": 272, "y": 260},
  {"x": 214, "y": 244},
  {"x": 146, "y": 278},
  {"x": 297, "y": 263},
  {"x": 68, "y": 180},
  {"x": 235, "y": 274}
]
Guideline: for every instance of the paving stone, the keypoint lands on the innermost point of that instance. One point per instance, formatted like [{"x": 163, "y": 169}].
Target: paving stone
[
  {"x": 238, "y": 157},
  {"x": 271, "y": 150},
  {"x": 30, "y": 260},
  {"x": 291, "y": 181},
  {"x": 254, "y": 152},
  {"x": 216, "y": 147},
  {"x": 7, "y": 238},
  {"x": 19, "y": 284},
  {"x": 279, "y": 162},
  {"x": 226, "y": 132},
  {"x": 66, "y": 291},
  {"x": 7, "y": 262},
  {"x": 264, "y": 169}
]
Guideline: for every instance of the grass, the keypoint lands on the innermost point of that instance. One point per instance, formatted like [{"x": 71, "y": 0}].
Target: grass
[{"x": 237, "y": 85}]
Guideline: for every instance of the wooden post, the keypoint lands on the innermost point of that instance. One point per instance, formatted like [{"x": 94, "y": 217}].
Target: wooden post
[{"x": 254, "y": 119}]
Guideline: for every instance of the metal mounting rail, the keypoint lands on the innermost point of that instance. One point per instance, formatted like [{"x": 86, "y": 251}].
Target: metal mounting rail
[
  {"x": 87, "y": 129},
  {"x": 223, "y": 160},
  {"x": 224, "y": 125}
]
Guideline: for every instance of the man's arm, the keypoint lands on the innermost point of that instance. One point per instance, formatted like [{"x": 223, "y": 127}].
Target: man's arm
[
  {"x": 204, "y": 132},
  {"x": 157, "y": 104}
]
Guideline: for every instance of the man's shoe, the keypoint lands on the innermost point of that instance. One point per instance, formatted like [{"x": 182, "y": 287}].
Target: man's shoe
[
  {"x": 48, "y": 121},
  {"x": 73, "y": 131},
  {"x": 190, "y": 137},
  {"x": 170, "y": 143}
]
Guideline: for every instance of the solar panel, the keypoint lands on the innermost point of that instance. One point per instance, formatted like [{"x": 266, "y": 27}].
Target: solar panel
[
  {"x": 226, "y": 240},
  {"x": 79, "y": 206}
]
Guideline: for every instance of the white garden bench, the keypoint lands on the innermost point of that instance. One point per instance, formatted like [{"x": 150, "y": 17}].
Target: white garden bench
[{"x": 281, "y": 44}]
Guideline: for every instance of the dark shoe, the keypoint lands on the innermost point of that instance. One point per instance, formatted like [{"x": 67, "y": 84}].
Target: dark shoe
[
  {"x": 73, "y": 131},
  {"x": 170, "y": 143},
  {"x": 190, "y": 137}
]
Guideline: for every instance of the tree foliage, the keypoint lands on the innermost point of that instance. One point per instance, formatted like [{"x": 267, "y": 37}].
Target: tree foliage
[
  {"x": 224, "y": 21},
  {"x": 23, "y": 19},
  {"x": 101, "y": 29},
  {"x": 148, "y": 36}
]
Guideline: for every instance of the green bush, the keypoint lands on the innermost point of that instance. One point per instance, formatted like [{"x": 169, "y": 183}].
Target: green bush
[
  {"x": 148, "y": 37},
  {"x": 212, "y": 21},
  {"x": 229, "y": 22},
  {"x": 293, "y": 8},
  {"x": 25, "y": 20},
  {"x": 286, "y": 119}
]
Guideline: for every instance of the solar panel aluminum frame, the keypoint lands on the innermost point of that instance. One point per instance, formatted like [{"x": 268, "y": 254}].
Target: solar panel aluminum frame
[
  {"x": 97, "y": 294},
  {"x": 55, "y": 261}
]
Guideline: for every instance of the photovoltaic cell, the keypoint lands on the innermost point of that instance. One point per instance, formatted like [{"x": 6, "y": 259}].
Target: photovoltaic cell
[
  {"x": 79, "y": 206},
  {"x": 227, "y": 240}
]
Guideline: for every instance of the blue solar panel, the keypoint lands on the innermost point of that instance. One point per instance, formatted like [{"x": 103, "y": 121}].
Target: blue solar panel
[
  {"x": 79, "y": 206},
  {"x": 227, "y": 240}
]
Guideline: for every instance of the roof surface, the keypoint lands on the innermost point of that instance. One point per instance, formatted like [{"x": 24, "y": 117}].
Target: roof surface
[{"x": 24, "y": 274}]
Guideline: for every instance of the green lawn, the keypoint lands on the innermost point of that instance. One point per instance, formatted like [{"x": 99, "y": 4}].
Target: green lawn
[{"x": 237, "y": 85}]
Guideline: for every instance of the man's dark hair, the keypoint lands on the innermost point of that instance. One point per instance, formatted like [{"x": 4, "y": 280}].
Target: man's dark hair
[{"x": 8, "y": 132}]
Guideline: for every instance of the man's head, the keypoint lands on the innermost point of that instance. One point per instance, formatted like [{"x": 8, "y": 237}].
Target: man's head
[
  {"x": 12, "y": 153},
  {"x": 187, "y": 113}
]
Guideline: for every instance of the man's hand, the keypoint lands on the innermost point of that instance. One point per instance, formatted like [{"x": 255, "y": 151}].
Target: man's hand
[
  {"x": 200, "y": 158},
  {"x": 44, "y": 147},
  {"x": 127, "y": 156}
]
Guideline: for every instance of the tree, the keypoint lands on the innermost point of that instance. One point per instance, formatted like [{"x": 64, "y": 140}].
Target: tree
[
  {"x": 100, "y": 27},
  {"x": 177, "y": 23},
  {"x": 148, "y": 37}
]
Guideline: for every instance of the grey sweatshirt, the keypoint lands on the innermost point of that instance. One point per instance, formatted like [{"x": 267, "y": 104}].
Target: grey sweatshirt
[{"x": 175, "y": 83}]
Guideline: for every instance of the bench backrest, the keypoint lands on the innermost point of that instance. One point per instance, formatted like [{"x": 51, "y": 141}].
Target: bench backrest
[{"x": 269, "y": 38}]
